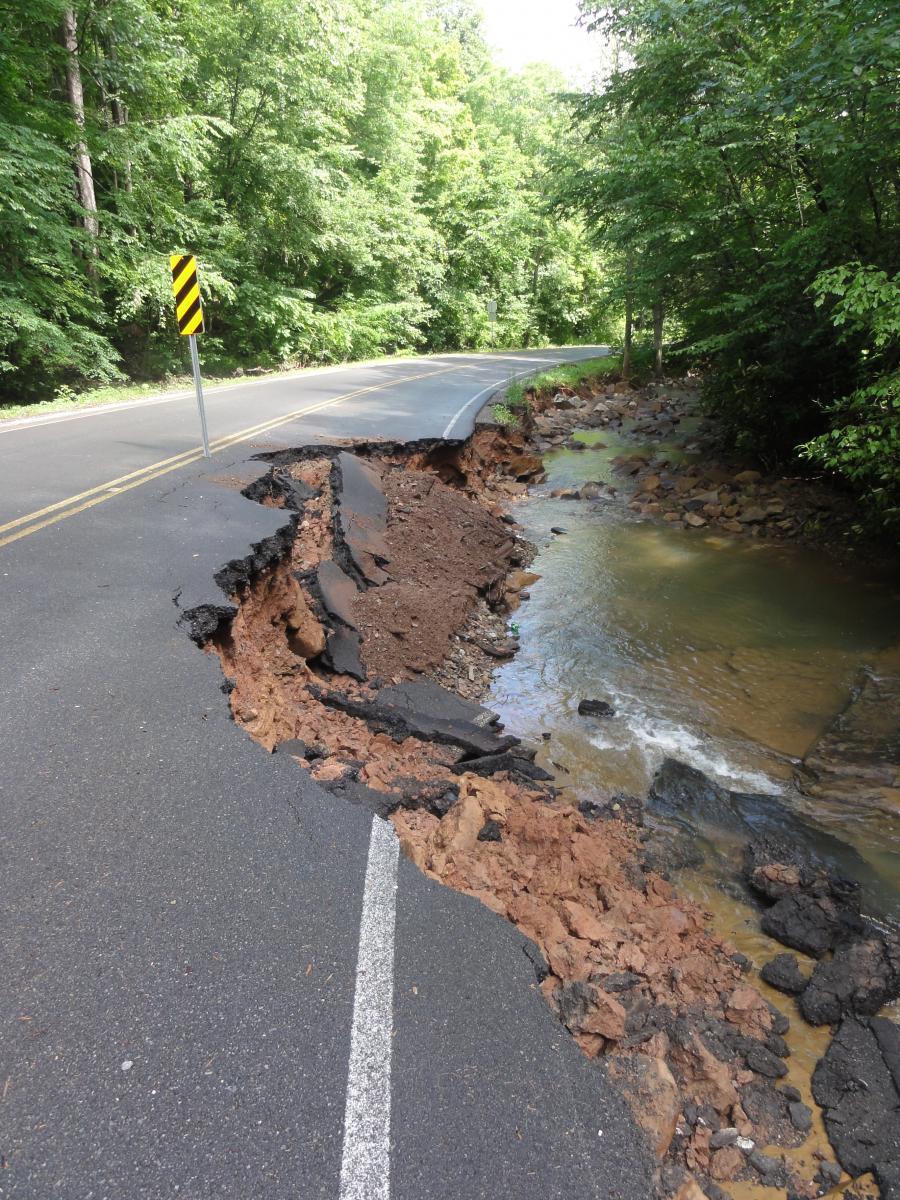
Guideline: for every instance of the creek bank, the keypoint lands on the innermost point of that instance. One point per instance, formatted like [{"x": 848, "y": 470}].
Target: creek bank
[
  {"x": 398, "y": 569},
  {"x": 686, "y": 482},
  {"x": 809, "y": 900}
]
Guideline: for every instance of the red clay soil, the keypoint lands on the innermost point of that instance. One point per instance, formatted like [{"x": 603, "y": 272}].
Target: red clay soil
[{"x": 634, "y": 971}]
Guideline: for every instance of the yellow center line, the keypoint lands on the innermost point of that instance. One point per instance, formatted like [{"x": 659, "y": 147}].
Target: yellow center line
[{"x": 124, "y": 483}]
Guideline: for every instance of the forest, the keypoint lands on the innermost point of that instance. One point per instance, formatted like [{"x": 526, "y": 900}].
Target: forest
[{"x": 360, "y": 178}]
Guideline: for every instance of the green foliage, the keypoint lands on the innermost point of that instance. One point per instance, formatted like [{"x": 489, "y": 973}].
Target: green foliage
[
  {"x": 354, "y": 178},
  {"x": 863, "y": 444},
  {"x": 735, "y": 160}
]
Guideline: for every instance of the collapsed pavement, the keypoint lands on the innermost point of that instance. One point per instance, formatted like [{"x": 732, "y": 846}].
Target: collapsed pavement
[{"x": 396, "y": 563}]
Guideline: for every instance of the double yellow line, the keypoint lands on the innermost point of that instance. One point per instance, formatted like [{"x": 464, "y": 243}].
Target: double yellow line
[{"x": 30, "y": 523}]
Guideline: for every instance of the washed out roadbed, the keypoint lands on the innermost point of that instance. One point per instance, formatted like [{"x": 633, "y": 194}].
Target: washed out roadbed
[{"x": 359, "y": 642}]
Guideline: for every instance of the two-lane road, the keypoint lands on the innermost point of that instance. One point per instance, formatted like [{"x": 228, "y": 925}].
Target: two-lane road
[{"x": 194, "y": 1000}]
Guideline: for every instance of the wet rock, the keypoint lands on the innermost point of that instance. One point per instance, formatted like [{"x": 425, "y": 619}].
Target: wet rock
[
  {"x": 688, "y": 796},
  {"x": 771, "y": 1169},
  {"x": 860, "y": 978},
  {"x": 783, "y": 972},
  {"x": 558, "y": 529},
  {"x": 591, "y": 491},
  {"x": 828, "y": 1175},
  {"x": 801, "y": 1116},
  {"x": 489, "y": 832},
  {"x": 764, "y": 1062},
  {"x": 857, "y": 759},
  {"x": 525, "y": 465},
  {"x": 695, "y": 520},
  {"x": 745, "y": 477},
  {"x": 752, "y": 516},
  {"x": 811, "y": 924},
  {"x": 857, "y": 1083},
  {"x": 595, "y": 708}
]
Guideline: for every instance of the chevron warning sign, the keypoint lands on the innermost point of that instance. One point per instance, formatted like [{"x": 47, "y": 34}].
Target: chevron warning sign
[{"x": 188, "y": 309}]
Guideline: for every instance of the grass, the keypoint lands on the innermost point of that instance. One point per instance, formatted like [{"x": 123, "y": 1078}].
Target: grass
[{"x": 570, "y": 375}]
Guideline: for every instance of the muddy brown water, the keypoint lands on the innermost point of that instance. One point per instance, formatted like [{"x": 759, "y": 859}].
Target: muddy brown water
[{"x": 731, "y": 654}]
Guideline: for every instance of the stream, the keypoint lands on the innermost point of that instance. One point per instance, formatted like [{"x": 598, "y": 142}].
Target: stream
[{"x": 733, "y": 655}]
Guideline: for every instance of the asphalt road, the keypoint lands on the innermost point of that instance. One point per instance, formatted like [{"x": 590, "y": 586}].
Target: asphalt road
[{"x": 181, "y": 912}]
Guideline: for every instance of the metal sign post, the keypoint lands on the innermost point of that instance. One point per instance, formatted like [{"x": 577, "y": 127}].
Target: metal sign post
[
  {"x": 492, "y": 317},
  {"x": 189, "y": 314},
  {"x": 198, "y": 384}
]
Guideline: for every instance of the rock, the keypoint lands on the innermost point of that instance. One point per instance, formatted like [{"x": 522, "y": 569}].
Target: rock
[
  {"x": 305, "y": 635},
  {"x": 595, "y": 708},
  {"x": 811, "y": 924},
  {"x": 860, "y": 978},
  {"x": 828, "y": 1175},
  {"x": 591, "y": 491},
  {"x": 783, "y": 972},
  {"x": 726, "y": 1163},
  {"x": 649, "y": 483},
  {"x": 801, "y": 1116},
  {"x": 748, "y": 477},
  {"x": 558, "y": 529},
  {"x": 561, "y": 400},
  {"x": 489, "y": 832},
  {"x": 620, "y": 981},
  {"x": 652, "y": 1095},
  {"x": 857, "y": 1083},
  {"x": 857, "y": 759},
  {"x": 694, "y": 520},
  {"x": 752, "y": 516},
  {"x": 767, "y": 1166},
  {"x": 525, "y": 465},
  {"x": 764, "y": 1062},
  {"x": 723, "y": 1137}
]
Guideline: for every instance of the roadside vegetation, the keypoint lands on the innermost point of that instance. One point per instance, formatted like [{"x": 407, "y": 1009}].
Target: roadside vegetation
[
  {"x": 355, "y": 179},
  {"x": 740, "y": 167}
]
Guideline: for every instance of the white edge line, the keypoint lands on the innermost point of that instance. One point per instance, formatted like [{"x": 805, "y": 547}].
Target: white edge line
[
  {"x": 366, "y": 1155},
  {"x": 98, "y": 410},
  {"x": 557, "y": 362},
  {"x": 495, "y": 386}
]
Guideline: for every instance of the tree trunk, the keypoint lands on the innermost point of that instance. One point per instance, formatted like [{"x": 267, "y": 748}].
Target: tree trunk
[
  {"x": 629, "y": 324},
  {"x": 658, "y": 339},
  {"x": 83, "y": 170}
]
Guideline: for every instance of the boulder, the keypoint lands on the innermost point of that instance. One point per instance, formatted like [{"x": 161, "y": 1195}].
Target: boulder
[
  {"x": 811, "y": 924},
  {"x": 783, "y": 972},
  {"x": 595, "y": 708},
  {"x": 860, "y": 978}
]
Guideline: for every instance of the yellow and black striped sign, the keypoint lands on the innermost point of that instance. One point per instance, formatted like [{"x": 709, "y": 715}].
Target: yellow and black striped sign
[{"x": 188, "y": 309}]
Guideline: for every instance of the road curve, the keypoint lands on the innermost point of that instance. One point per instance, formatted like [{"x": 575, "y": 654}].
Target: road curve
[{"x": 183, "y": 915}]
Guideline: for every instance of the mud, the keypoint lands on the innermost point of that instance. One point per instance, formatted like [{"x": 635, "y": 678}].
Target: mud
[{"x": 395, "y": 575}]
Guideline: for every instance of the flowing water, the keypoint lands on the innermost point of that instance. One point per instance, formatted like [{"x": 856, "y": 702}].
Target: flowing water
[{"x": 733, "y": 655}]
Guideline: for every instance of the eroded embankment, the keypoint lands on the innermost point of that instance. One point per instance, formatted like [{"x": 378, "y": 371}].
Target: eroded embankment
[{"x": 397, "y": 569}]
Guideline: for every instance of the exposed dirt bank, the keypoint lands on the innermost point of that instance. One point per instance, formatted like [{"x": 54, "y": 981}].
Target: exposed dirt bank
[{"x": 398, "y": 573}]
